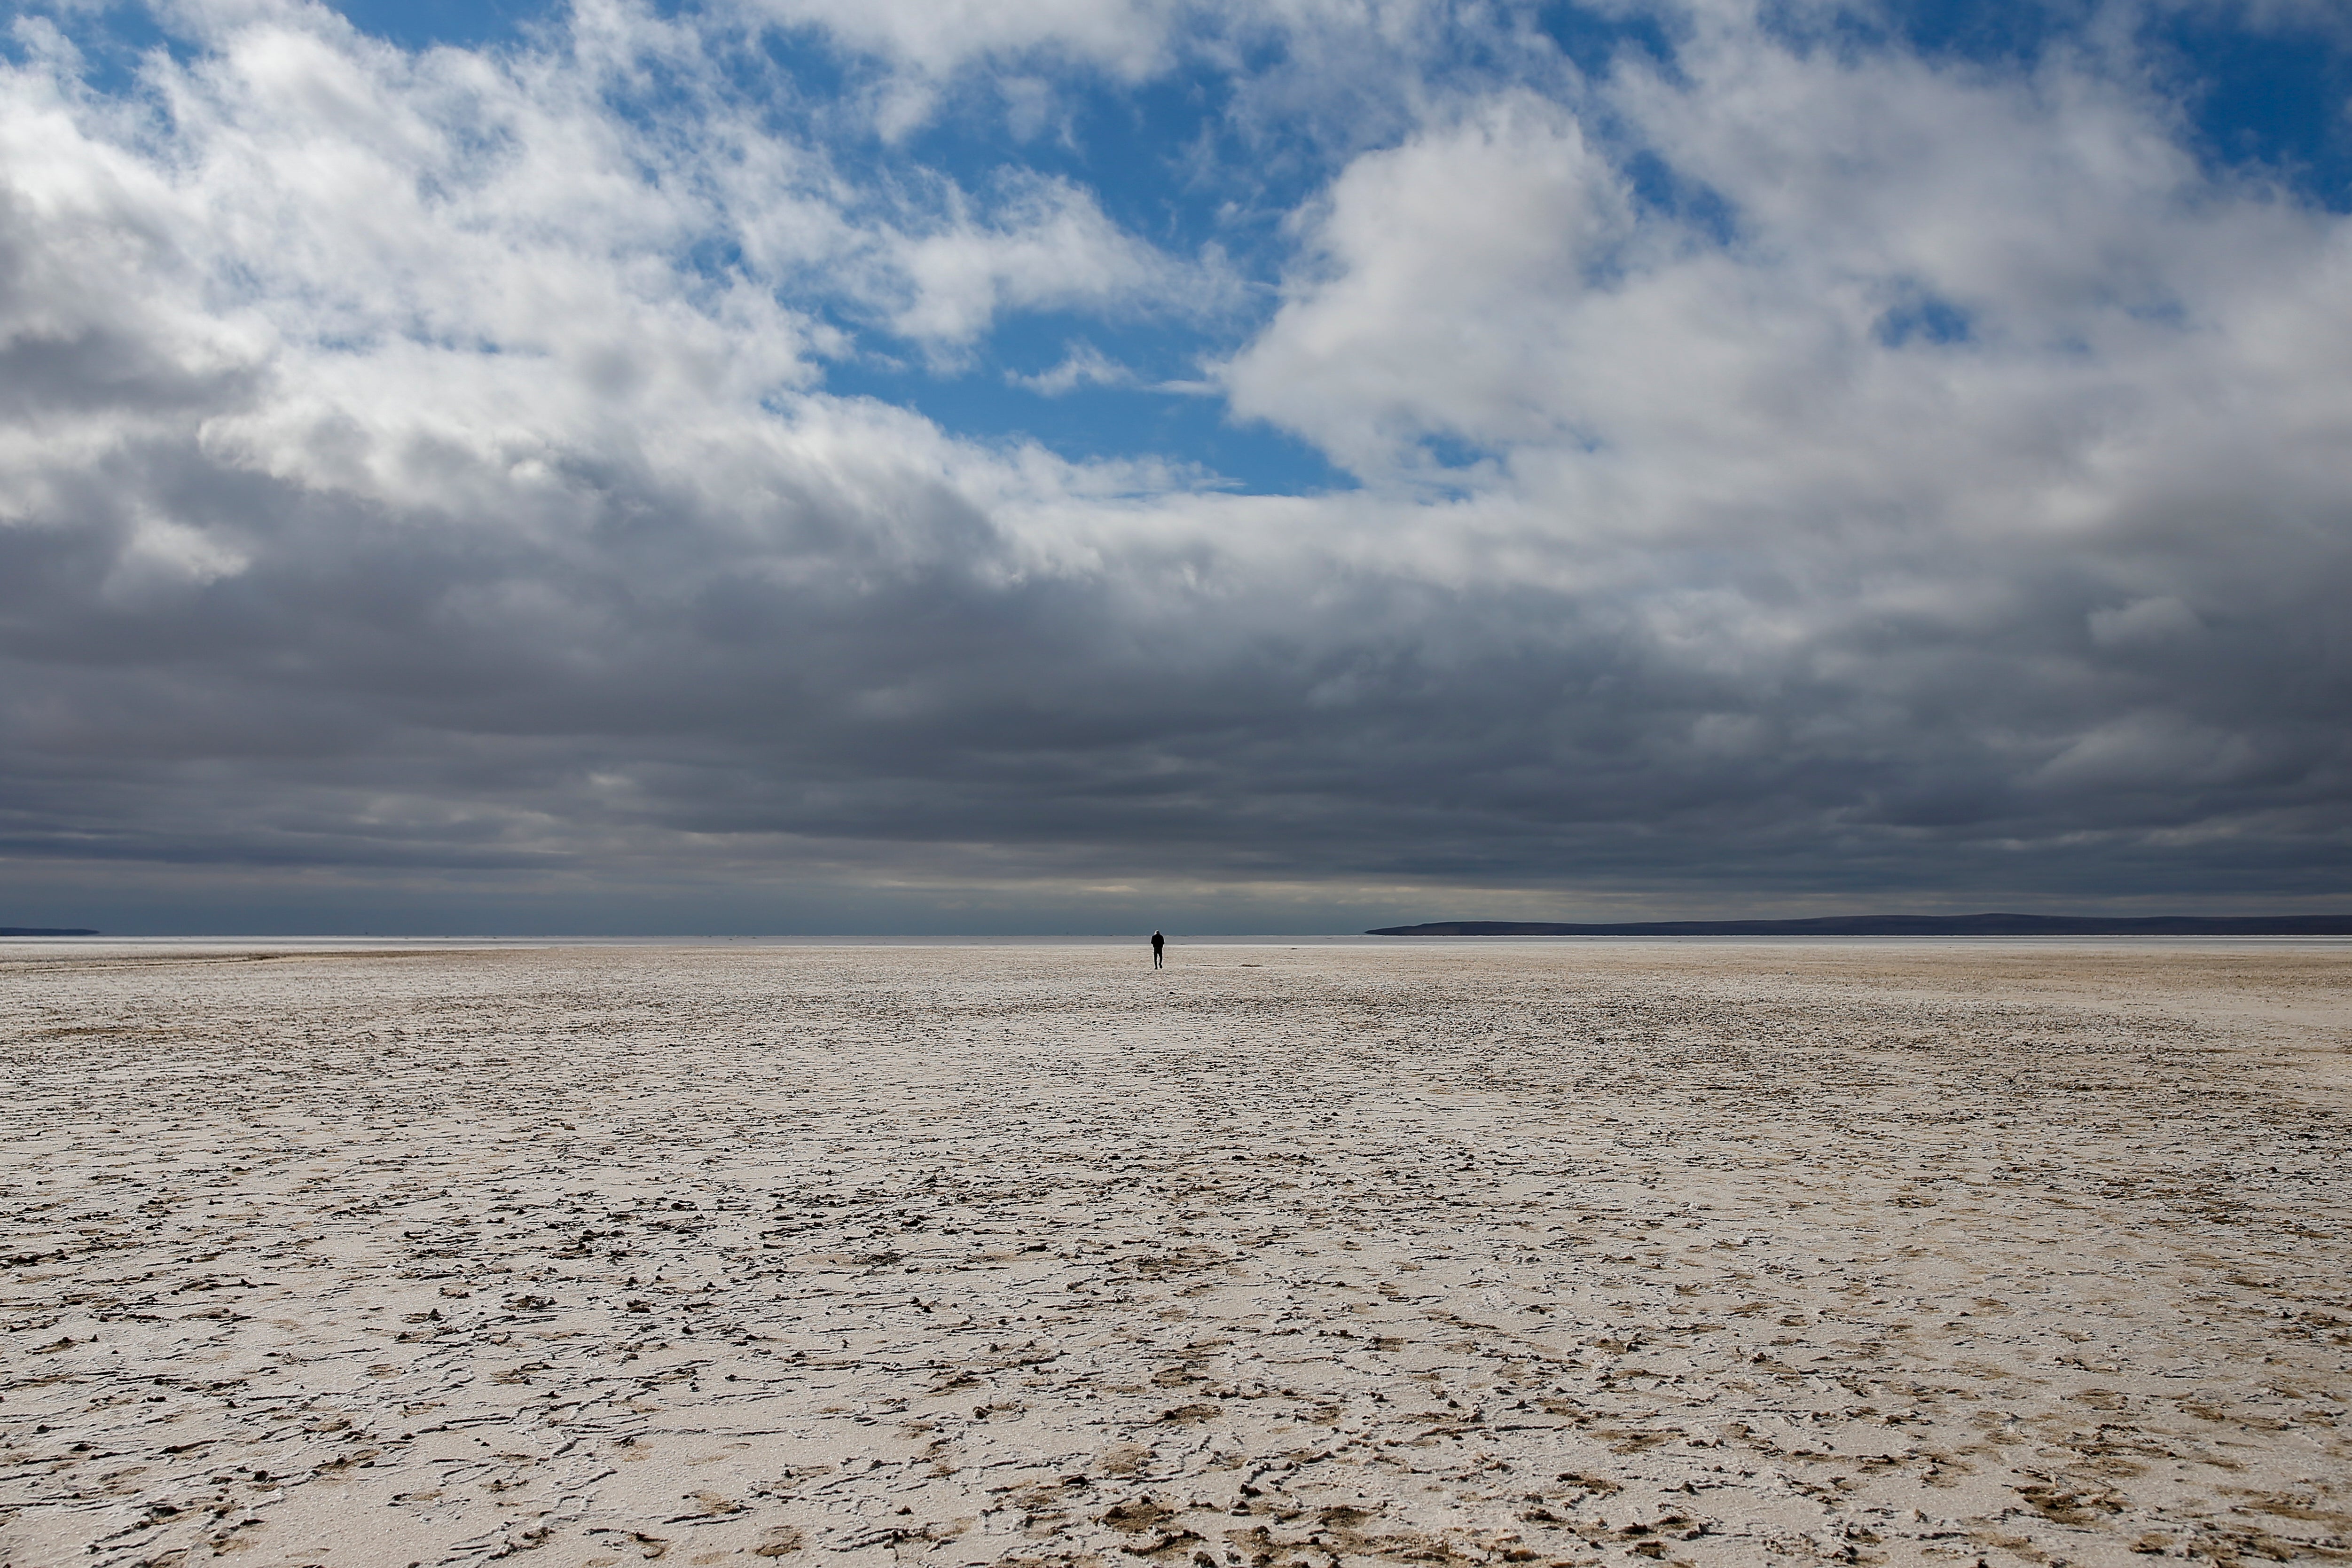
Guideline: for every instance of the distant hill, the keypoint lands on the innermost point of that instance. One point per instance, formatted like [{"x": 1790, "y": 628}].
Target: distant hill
[
  {"x": 42, "y": 930},
  {"x": 1909, "y": 925}
]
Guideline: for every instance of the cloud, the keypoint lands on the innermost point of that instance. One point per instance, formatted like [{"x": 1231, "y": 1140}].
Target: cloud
[
  {"x": 1694, "y": 419},
  {"x": 1083, "y": 365},
  {"x": 2145, "y": 622},
  {"x": 1444, "y": 277},
  {"x": 1128, "y": 38},
  {"x": 1046, "y": 246},
  {"x": 1780, "y": 473}
]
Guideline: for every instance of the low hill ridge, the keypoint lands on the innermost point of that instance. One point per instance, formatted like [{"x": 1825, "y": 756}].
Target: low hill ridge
[{"x": 1907, "y": 925}]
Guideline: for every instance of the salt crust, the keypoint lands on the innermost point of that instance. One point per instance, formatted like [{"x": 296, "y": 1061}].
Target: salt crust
[{"x": 1553, "y": 1252}]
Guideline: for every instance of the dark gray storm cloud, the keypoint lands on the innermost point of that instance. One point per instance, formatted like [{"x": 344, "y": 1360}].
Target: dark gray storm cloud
[{"x": 396, "y": 505}]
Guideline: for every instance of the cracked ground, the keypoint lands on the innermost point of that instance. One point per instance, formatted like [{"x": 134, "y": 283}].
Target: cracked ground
[{"x": 1546, "y": 1253}]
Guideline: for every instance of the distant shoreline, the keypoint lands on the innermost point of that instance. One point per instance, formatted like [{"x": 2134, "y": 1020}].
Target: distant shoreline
[
  {"x": 1906, "y": 925},
  {"x": 47, "y": 930}
]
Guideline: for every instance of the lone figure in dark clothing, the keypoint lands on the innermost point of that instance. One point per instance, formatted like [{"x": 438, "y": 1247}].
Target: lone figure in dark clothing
[{"x": 1158, "y": 946}]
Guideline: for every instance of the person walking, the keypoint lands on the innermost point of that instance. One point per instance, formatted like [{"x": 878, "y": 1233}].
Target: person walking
[{"x": 1158, "y": 946}]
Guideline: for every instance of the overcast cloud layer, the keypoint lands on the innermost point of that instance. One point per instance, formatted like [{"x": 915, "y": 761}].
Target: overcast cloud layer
[{"x": 790, "y": 464}]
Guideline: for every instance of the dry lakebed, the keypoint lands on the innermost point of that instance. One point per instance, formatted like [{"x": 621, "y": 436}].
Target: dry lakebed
[{"x": 1544, "y": 1252}]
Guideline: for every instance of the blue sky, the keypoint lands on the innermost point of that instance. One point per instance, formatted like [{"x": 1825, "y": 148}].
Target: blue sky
[{"x": 804, "y": 465}]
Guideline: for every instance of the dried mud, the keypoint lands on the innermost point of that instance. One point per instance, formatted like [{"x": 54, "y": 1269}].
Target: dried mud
[{"x": 1544, "y": 1253}]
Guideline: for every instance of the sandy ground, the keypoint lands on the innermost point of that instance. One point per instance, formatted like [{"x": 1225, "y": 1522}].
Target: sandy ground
[{"x": 1543, "y": 1253}]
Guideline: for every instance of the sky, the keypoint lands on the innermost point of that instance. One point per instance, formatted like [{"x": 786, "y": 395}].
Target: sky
[{"x": 1004, "y": 466}]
